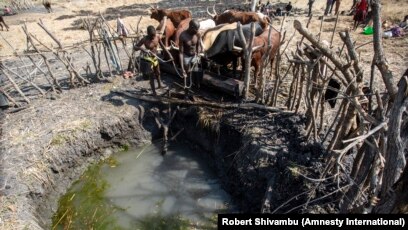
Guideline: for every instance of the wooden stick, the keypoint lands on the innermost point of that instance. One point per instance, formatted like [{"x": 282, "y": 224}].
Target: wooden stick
[
  {"x": 41, "y": 24},
  {"x": 345, "y": 36},
  {"x": 15, "y": 86},
  {"x": 30, "y": 82},
  {"x": 247, "y": 55},
  {"x": 334, "y": 30},
  {"x": 343, "y": 67},
  {"x": 365, "y": 136},
  {"x": 321, "y": 27},
  {"x": 395, "y": 155},
  {"x": 9, "y": 97},
  {"x": 165, "y": 100},
  {"x": 379, "y": 56}
]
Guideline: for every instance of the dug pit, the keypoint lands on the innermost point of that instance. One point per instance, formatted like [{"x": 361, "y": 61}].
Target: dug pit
[{"x": 249, "y": 151}]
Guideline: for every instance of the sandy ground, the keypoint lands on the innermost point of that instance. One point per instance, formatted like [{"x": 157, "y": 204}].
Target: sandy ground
[{"x": 65, "y": 23}]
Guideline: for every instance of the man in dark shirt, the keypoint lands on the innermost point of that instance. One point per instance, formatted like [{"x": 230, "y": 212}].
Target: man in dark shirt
[
  {"x": 310, "y": 7},
  {"x": 288, "y": 8}
]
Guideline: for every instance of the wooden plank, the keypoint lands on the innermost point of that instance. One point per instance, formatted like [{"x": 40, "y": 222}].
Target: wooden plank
[
  {"x": 223, "y": 84},
  {"x": 227, "y": 85}
]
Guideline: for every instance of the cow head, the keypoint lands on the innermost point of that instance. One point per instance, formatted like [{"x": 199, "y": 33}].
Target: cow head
[
  {"x": 213, "y": 15},
  {"x": 156, "y": 13}
]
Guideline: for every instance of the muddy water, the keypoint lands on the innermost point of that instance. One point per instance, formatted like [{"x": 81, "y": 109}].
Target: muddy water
[{"x": 141, "y": 189}]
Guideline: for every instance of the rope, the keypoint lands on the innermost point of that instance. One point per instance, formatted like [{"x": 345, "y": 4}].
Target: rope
[{"x": 192, "y": 67}]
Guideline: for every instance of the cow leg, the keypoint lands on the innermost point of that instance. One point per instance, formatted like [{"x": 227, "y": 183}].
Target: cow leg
[
  {"x": 256, "y": 75},
  {"x": 241, "y": 75},
  {"x": 234, "y": 66},
  {"x": 270, "y": 73}
]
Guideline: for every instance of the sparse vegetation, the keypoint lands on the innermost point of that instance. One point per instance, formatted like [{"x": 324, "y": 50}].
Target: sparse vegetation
[
  {"x": 210, "y": 119},
  {"x": 85, "y": 206}
]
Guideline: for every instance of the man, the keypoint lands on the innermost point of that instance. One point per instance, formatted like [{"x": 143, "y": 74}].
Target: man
[
  {"x": 278, "y": 12},
  {"x": 288, "y": 8},
  {"x": 151, "y": 41},
  {"x": 332, "y": 6},
  {"x": 329, "y": 4},
  {"x": 189, "y": 47},
  {"x": 7, "y": 11},
  {"x": 361, "y": 13},
  {"x": 337, "y": 6},
  {"x": 310, "y": 7},
  {"x": 120, "y": 27}
]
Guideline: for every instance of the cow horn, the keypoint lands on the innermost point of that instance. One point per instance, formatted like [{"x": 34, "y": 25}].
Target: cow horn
[
  {"x": 208, "y": 12},
  {"x": 237, "y": 48},
  {"x": 215, "y": 12},
  {"x": 256, "y": 48}
]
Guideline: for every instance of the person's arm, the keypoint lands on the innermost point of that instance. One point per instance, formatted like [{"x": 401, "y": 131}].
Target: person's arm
[{"x": 138, "y": 46}]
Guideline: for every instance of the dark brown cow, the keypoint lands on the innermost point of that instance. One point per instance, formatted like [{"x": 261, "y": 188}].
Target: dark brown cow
[
  {"x": 3, "y": 22},
  {"x": 230, "y": 16},
  {"x": 176, "y": 16},
  {"x": 262, "y": 40}
]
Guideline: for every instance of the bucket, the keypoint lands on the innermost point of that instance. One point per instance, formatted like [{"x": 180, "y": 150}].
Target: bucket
[
  {"x": 368, "y": 30},
  {"x": 3, "y": 101}
]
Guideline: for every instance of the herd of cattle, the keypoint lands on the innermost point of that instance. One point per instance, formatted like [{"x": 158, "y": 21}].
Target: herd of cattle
[{"x": 220, "y": 36}]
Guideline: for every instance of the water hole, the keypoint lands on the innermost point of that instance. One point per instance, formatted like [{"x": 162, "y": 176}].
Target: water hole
[{"x": 141, "y": 189}]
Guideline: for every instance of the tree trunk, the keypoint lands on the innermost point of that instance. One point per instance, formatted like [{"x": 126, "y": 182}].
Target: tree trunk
[
  {"x": 396, "y": 146},
  {"x": 379, "y": 57}
]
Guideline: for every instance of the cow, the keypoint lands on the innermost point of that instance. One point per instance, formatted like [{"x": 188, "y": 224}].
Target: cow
[
  {"x": 223, "y": 49},
  {"x": 230, "y": 16},
  {"x": 262, "y": 41},
  {"x": 206, "y": 24},
  {"x": 3, "y": 22},
  {"x": 168, "y": 32},
  {"x": 176, "y": 16},
  {"x": 180, "y": 29}
]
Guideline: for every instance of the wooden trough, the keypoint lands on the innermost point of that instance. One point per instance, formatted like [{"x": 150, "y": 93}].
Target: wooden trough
[{"x": 223, "y": 84}]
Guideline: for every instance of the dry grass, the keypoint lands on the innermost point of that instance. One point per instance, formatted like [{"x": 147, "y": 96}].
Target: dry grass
[
  {"x": 394, "y": 10},
  {"x": 210, "y": 119}
]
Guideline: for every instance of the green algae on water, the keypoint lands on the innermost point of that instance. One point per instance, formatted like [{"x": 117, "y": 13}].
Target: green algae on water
[{"x": 84, "y": 204}]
